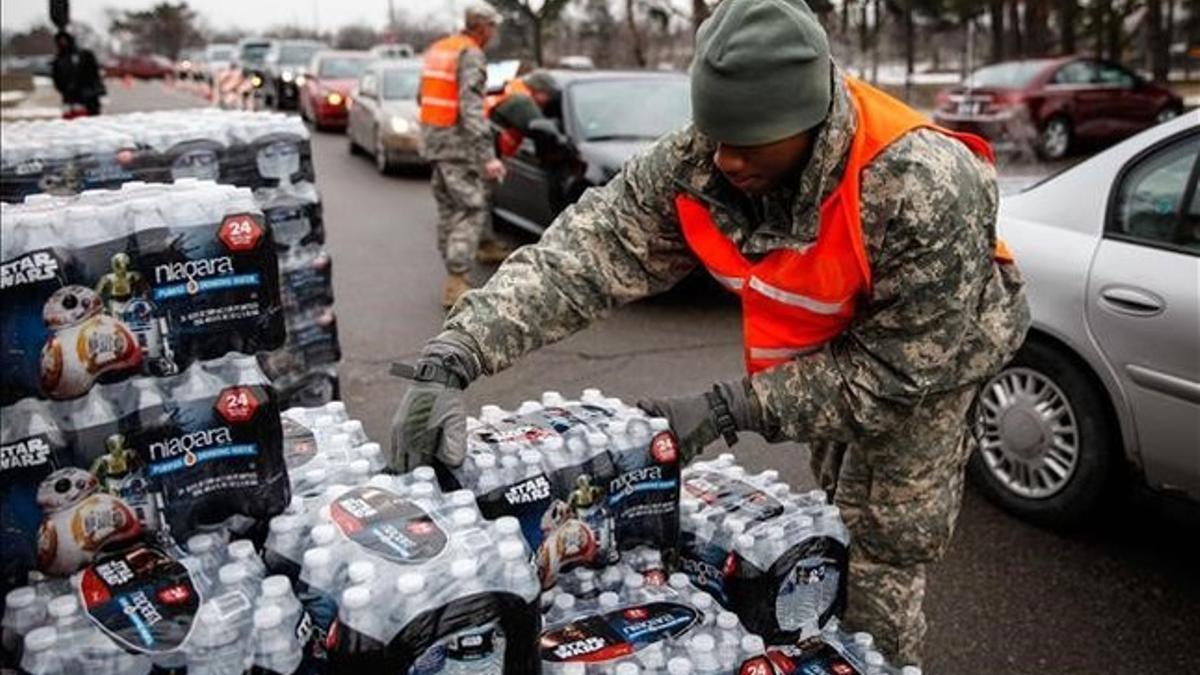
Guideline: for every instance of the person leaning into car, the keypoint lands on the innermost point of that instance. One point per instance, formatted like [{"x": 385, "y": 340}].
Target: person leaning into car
[
  {"x": 875, "y": 297},
  {"x": 457, "y": 142}
]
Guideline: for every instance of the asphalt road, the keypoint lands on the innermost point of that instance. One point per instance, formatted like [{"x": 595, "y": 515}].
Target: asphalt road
[{"x": 1120, "y": 597}]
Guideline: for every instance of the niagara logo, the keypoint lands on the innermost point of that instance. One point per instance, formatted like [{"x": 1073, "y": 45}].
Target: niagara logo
[
  {"x": 187, "y": 444},
  {"x": 189, "y": 270},
  {"x": 29, "y": 268}
]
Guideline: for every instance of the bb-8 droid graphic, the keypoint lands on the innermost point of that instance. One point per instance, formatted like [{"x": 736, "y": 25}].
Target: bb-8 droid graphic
[
  {"x": 78, "y": 520},
  {"x": 566, "y": 539},
  {"x": 84, "y": 342}
]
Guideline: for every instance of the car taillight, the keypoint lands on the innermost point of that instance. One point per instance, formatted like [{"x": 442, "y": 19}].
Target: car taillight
[{"x": 1008, "y": 99}]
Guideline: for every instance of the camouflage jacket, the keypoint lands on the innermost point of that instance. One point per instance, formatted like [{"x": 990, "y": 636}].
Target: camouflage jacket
[
  {"x": 470, "y": 139},
  {"x": 941, "y": 315}
]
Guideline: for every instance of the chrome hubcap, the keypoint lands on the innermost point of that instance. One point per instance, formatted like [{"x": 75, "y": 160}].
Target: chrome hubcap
[
  {"x": 1166, "y": 116},
  {"x": 1028, "y": 436},
  {"x": 1054, "y": 139}
]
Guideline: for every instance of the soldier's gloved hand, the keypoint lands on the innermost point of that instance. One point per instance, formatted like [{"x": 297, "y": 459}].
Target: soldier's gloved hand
[
  {"x": 430, "y": 423},
  {"x": 700, "y": 419}
]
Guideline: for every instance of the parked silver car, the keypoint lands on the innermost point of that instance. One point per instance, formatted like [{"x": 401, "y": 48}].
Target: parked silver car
[{"x": 1108, "y": 383}]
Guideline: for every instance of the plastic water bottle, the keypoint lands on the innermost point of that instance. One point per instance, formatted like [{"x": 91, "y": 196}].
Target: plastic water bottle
[
  {"x": 214, "y": 647},
  {"x": 22, "y": 613},
  {"x": 98, "y": 655},
  {"x": 413, "y": 598},
  {"x": 728, "y": 639},
  {"x": 40, "y": 657},
  {"x": 276, "y": 649},
  {"x": 70, "y": 626},
  {"x": 235, "y": 578},
  {"x": 276, "y": 591},
  {"x": 518, "y": 573},
  {"x": 563, "y": 609},
  {"x": 704, "y": 655},
  {"x": 205, "y": 547},
  {"x": 679, "y": 665}
]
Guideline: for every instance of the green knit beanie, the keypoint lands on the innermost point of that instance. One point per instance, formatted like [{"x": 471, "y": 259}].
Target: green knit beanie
[{"x": 761, "y": 72}]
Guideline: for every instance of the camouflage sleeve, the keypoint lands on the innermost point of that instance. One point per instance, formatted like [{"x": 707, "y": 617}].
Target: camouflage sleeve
[
  {"x": 472, "y": 88},
  {"x": 929, "y": 211},
  {"x": 619, "y": 243}
]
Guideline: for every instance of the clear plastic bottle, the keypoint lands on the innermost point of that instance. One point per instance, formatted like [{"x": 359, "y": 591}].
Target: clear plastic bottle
[
  {"x": 680, "y": 665},
  {"x": 40, "y": 656},
  {"x": 235, "y": 578},
  {"x": 23, "y": 611},
  {"x": 70, "y": 626},
  {"x": 357, "y": 611},
  {"x": 518, "y": 574},
  {"x": 361, "y": 572},
  {"x": 875, "y": 663},
  {"x": 214, "y": 645},
  {"x": 97, "y": 654},
  {"x": 206, "y": 547},
  {"x": 489, "y": 475},
  {"x": 562, "y": 610},
  {"x": 703, "y": 602},
  {"x": 412, "y": 598},
  {"x": 276, "y": 649},
  {"x": 704, "y": 654},
  {"x": 277, "y": 591},
  {"x": 242, "y": 551}
]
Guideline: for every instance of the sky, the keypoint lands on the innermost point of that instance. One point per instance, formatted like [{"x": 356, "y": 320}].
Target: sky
[{"x": 244, "y": 14}]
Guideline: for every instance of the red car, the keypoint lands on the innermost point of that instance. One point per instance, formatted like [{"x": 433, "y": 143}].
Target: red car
[
  {"x": 1053, "y": 104},
  {"x": 327, "y": 86},
  {"x": 142, "y": 66}
]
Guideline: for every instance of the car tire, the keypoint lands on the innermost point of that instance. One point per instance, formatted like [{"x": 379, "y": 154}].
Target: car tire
[
  {"x": 1039, "y": 407},
  {"x": 1055, "y": 138}
]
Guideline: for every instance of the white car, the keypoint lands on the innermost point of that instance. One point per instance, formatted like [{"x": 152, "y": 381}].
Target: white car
[{"x": 1108, "y": 383}]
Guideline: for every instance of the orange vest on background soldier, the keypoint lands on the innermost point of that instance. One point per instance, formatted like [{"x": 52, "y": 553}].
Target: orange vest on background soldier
[
  {"x": 793, "y": 302},
  {"x": 438, "y": 95},
  {"x": 509, "y": 139}
]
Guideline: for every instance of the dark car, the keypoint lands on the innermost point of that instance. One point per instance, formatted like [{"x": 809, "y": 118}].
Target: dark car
[
  {"x": 1055, "y": 104},
  {"x": 604, "y": 117},
  {"x": 286, "y": 69},
  {"x": 252, "y": 60},
  {"x": 141, "y": 66}
]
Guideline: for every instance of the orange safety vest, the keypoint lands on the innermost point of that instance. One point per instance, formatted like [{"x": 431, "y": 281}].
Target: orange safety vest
[
  {"x": 509, "y": 140},
  {"x": 439, "y": 80},
  {"x": 793, "y": 302}
]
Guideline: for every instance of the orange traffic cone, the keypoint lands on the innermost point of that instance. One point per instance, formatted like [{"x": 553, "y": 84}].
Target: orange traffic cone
[{"x": 127, "y": 81}]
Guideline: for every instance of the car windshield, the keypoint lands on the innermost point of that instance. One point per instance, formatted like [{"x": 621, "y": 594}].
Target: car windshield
[
  {"x": 1011, "y": 75},
  {"x": 602, "y": 108},
  {"x": 297, "y": 55},
  {"x": 400, "y": 84},
  {"x": 254, "y": 53},
  {"x": 221, "y": 54},
  {"x": 342, "y": 68}
]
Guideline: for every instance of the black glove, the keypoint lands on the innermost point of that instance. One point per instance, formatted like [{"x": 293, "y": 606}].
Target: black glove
[
  {"x": 700, "y": 419},
  {"x": 431, "y": 420}
]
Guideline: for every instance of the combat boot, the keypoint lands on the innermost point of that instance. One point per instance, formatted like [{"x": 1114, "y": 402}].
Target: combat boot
[
  {"x": 492, "y": 252},
  {"x": 456, "y": 285}
]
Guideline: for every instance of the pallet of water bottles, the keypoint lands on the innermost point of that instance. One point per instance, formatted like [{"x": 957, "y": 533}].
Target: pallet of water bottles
[{"x": 268, "y": 154}]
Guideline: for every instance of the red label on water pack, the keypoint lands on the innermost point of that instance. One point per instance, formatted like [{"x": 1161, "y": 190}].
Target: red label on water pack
[
  {"x": 142, "y": 598},
  {"x": 237, "y": 405},
  {"x": 387, "y": 525},
  {"x": 241, "y": 232}
]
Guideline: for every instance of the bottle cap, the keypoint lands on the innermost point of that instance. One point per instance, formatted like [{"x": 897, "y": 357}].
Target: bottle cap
[
  {"x": 873, "y": 659},
  {"x": 608, "y": 599},
  {"x": 910, "y": 670},
  {"x": 62, "y": 606},
  {"x": 242, "y": 549},
  {"x": 233, "y": 573},
  {"x": 727, "y": 620},
  {"x": 769, "y": 475},
  {"x": 20, "y": 597},
  {"x": 267, "y": 617},
  {"x": 804, "y": 522},
  {"x": 679, "y": 665},
  {"x": 422, "y": 489},
  {"x": 745, "y": 541},
  {"x": 678, "y": 580},
  {"x": 508, "y": 525},
  {"x": 735, "y": 525},
  {"x": 200, "y": 543},
  {"x": 527, "y": 407},
  {"x": 317, "y": 557},
  {"x": 425, "y": 473},
  {"x": 818, "y": 496},
  {"x": 283, "y": 524},
  {"x": 564, "y": 601},
  {"x": 356, "y": 597},
  {"x": 863, "y": 640},
  {"x": 463, "y": 568},
  {"x": 552, "y": 444},
  {"x": 753, "y": 644},
  {"x": 585, "y": 574},
  {"x": 634, "y": 581},
  {"x": 627, "y": 668},
  {"x": 323, "y": 534},
  {"x": 703, "y": 642},
  {"x": 702, "y": 600},
  {"x": 485, "y": 462},
  {"x": 410, "y": 583},
  {"x": 462, "y": 498},
  {"x": 511, "y": 549},
  {"x": 335, "y": 408},
  {"x": 726, "y": 458},
  {"x": 552, "y": 398},
  {"x": 360, "y": 467},
  {"x": 275, "y": 586},
  {"x": 41, "y": 639},
  {"x": 360, "y": 571},
  {"x": 531, "y": 457},
  {"x": 464, "y": 517},
  {"x": 352, "y": 428},
  {"x": 660, "y": 424},
  {"x": 571, "y": 668},
  {"x": 592, "y": 394}
]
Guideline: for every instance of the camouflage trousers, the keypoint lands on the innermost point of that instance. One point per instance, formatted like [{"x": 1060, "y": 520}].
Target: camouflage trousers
[
  {"x": 900, "y": 497},
  {"x": 463, "y": 196}
]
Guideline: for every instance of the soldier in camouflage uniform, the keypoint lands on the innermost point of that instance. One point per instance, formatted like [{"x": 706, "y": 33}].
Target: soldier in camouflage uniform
[
  {"x": 464, "y": 160},
  {"x": 884, "y": 405}
]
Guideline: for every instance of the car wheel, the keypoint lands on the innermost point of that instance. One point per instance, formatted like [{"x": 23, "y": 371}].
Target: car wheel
[
  {"x": 1047, "y": 448},
  {"x": 1055, "y": 139},
  {"x": 381, "y": 158},
  {"x": 1166, "y": 115}
]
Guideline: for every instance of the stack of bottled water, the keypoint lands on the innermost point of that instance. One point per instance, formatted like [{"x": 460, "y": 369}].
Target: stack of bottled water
[
  {"x": 143, "y": 460},
  {"x": 776, "y": 558},
  {"x": 323, "y": 447},
  {"x": 398, "y": 575},
  {"x": 834, "y": 651},
  {"x": 210, "y": 608},
  {"x": 633, "y": 618},
  {"x": 587, "y": 478},
  {"x": 268, "y": 153}
]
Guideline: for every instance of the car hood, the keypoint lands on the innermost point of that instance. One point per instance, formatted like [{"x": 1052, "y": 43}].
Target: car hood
[
  {"x": 605, "y": 158},
  {"x": 407, "y": 109}
]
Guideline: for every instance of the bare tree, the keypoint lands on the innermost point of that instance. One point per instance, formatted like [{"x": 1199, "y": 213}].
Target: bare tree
[{"x": 538, "y": 20}]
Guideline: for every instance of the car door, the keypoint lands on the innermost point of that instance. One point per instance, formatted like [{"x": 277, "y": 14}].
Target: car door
[
  {"x": 523, "y": 197},
  {"x": 1130, "y": 111},
  {"x": 368, "y": 91},
  {"x": 1144, "y": 305}
]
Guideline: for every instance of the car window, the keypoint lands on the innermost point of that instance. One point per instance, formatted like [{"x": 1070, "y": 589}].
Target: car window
[
  {"x": 1112, "y": 75},
  {"x": 342, "y": 68},
  {"x": 401, "y": 84},
  {"x": 1150, "y": 196},
  {"x": 603, "y": 111},
  {"x": 1076, "y": 72},
  {"x": 1009, "y": 75},
  {"x": 366, "y": 86}
]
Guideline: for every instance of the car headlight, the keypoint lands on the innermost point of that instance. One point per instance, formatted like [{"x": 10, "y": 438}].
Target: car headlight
[
  {"x": 400, "y": 125},
  {"x": 256, "y": 81},
  {"x": 334, "y": 98},
  {"x": 287, "y": 76},
  {"x": 300, "y": 80}
]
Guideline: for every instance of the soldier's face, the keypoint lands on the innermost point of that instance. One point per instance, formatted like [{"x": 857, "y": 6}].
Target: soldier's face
[{"x": 757, "y": 169}]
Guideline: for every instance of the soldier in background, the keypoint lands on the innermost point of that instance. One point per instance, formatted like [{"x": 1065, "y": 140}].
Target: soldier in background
[
  {"x": 457, "y": 141},
  {"x": 76, "y": 76},
  {"x": 876, "y": 299}
]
